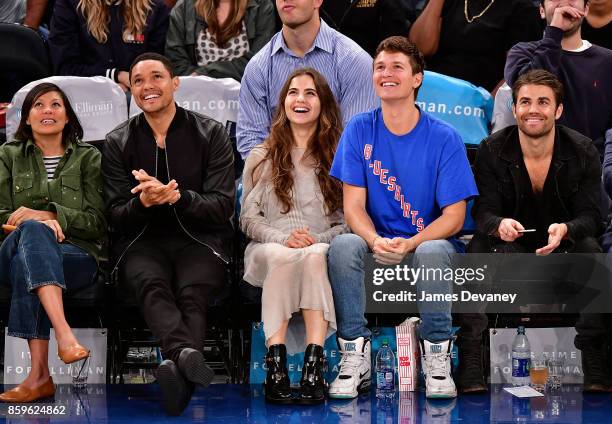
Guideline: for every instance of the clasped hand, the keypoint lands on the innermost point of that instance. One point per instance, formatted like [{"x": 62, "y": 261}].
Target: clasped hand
[
  {"x": 391, "y": 251},
  {"x": 23, "y": 214},
  {"x": 299, "y": 238},
  {"x": 26, "y": 214},
  {"x": 153, "y": 192}
]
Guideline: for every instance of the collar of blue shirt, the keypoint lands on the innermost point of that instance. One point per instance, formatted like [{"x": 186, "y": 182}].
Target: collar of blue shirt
[{"x": 323, "y": 41}]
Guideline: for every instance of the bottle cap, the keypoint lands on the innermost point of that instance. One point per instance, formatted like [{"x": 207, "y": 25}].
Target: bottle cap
[
  {"x": 521, "y": 329},
  {"x": 385, "y": 341}
]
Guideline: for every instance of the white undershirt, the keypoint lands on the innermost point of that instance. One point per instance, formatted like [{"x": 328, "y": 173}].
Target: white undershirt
[{"x": 585, "y": 45}]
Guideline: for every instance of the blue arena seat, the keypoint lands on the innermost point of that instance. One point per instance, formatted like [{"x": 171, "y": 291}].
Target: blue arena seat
[{"x": 463, "y": 105}]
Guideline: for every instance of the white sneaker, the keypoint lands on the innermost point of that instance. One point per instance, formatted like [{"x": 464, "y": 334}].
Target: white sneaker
[
  {"x": 358, "y": 409},
  {"x": 436, "y": 363},
  {"x": 354, "y": 373},
  {"x": 438, "y": 411}
]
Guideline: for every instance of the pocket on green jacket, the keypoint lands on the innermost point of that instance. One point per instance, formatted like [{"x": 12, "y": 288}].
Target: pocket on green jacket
[
  {"x": 22, "y": 183},
  {"x": 23, "y": 191},
  {"x": 71, "y": 191}
]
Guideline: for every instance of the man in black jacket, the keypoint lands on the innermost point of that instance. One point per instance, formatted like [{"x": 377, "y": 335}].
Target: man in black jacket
[
  {"x": 536, "y": 176},
  {"x": 169, "y": 191}
]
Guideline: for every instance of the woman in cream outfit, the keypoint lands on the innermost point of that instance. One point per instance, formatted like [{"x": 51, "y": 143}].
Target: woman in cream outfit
[{"x": 291, "y": 210}]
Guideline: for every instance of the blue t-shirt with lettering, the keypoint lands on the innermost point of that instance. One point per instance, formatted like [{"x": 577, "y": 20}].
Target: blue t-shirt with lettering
[{"x": 409, "y": 178}]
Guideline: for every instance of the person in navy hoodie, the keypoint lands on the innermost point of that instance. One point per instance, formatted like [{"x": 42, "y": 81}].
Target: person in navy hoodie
[{"x": 103, "y": 37}]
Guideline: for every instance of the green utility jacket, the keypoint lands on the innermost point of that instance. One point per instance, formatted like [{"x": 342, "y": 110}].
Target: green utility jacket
[{"x": 74, "y": 194}]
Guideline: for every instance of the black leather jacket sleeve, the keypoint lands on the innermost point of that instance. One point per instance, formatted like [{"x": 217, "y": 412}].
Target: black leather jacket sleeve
[
  {"x": 215, "y": 203},
  {"x": 126, "y": 214},
  {"x": 585, "y": 202},
  {"x": 487, "y": 209}
]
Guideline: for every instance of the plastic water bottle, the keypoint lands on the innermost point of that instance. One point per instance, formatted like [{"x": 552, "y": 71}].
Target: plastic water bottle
[
  {"x": 521, "y": 358},
  {"x": 385, "y": 371}
]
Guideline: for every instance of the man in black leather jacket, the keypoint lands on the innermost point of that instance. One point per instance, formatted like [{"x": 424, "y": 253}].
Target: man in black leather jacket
[
  {"x": 536, "y": 176},
  {"x": 169, "y": 192}
]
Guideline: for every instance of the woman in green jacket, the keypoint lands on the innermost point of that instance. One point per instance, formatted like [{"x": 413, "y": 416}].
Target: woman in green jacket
[
  {"x": 51, "y": 207},
  {"x": 217, "y": 38}
]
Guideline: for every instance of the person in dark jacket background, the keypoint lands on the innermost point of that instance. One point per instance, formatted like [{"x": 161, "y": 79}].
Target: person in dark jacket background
[
  {"x": 169, "y": 192},
  {"x": 217, "y": 38},
  {"x": 540, "y": 176},
  {"x": 368, "y": 22},
  {"x": 103, "y": 37}
]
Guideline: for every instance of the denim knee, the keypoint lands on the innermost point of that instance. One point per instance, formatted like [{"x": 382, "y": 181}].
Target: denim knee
[
  {"x": 347, "y": 247},
  {"x": 434, "y": 253},
  {"x": 32, "y": 226}
]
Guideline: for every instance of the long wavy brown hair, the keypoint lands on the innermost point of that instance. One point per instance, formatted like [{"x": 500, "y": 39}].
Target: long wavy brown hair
[
  {"x": 320, "y": 149},
  {"x": 222, "y": 31},
  {"x": 135, "y": 13}
]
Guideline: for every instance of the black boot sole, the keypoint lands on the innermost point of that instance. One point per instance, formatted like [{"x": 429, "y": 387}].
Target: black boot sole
[
  {"x": 595, "y": 388},
  {"x": 309, "y": 401},
  {"x": 194, "y": 367},
  {"x": 473, "y": 390},
  {"x": 175, "y": 392},
  {"x": 278, "y": 401}
]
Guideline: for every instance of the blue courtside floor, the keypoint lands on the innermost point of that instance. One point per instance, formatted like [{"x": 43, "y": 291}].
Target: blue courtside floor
[{"x": 221, "y": 403}]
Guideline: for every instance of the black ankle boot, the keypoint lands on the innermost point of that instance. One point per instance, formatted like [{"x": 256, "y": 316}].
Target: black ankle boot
[
  {"x": 594, "y": 367},
  {"x": 470, "y": 374},
  {"x": 312, "y": 384},
  {"x": 277, "y": 385}
]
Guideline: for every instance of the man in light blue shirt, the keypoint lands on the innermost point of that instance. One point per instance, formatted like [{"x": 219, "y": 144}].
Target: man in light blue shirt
[{"x": 305, "y": 40}]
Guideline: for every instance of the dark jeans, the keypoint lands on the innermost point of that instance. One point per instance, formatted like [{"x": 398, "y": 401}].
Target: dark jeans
[
  {"x": 590, "y": 328},
  {"x": 31, "y": 257},
  {"x": 173, "y": 279}
]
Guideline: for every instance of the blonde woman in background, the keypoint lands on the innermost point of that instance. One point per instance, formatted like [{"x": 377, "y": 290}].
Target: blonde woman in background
[
  {"x": 217, "y": 37},
  {"x": 103, "y": 37}
]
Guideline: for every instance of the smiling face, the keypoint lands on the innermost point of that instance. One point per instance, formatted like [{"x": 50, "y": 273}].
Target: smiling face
[
  {"x": 302, "y": 104},
  {"x": 152, "y": 86},
  {"x": 294, "y": 13},
  {"x": 47, "y": 115},
  {"x": 393, "y": 78},
  {"x": 536, "y": 110}
]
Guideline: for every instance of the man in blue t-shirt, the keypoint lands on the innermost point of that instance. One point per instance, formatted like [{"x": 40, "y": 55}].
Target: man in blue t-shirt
[{"x": 406, "y": 182}]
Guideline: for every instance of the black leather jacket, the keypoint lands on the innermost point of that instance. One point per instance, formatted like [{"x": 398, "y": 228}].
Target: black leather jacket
[
  {"x": 203, "y": 164},
  {"x": 576, "y": 176}
]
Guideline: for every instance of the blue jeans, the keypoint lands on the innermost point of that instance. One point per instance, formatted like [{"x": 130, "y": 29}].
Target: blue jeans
[
  {"x": 346, "y": 273},
  {"x": 31, "y": 257}
]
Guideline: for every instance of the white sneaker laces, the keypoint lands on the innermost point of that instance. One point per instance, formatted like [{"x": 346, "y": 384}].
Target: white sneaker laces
[
  {"x": 350, "y": 362},
  {"x": 437, "y": 364}
]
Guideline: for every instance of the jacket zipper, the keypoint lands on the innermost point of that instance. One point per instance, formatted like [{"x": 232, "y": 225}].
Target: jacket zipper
[
  {"x": 217, "y": 254},
  {"x": 125, "y": 251}
]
